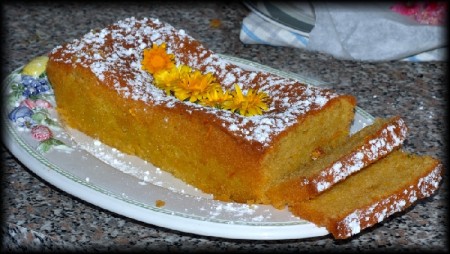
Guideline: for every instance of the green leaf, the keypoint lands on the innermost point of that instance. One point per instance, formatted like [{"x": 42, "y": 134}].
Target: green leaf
[
  {"x": 44, "y": 96},
  {"x": 44, "y": 147},
  {"x": 34, "y": 97},
  {"x": 16, "y": 92},
  {"x": 43, "y": 75},
  {"x": 42, "y": 111},
  {"x": 50, "y": 122},
  {"x": 55, "y": 142},
  {"x": 48, "y": 144},
  {"x": 39, "y": 117}
]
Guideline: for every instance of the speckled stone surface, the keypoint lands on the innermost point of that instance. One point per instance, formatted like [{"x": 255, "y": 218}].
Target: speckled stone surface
[{"x": 38, "y": 216}]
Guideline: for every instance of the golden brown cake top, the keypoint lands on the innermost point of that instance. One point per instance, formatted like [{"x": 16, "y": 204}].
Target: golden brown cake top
[{"x": 114, "y": 55}]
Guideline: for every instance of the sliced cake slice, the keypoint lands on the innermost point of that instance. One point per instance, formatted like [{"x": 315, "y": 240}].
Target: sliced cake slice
[
  {"x": 362, "y": 148},
  {"x": 390, "y": 185}
]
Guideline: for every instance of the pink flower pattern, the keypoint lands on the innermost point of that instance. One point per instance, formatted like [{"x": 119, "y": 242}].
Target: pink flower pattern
[{"x": 41, "y": 132}]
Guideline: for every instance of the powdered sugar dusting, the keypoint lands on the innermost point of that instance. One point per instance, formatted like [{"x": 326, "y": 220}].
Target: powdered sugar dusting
[
  {"x": 236, "y": 209},
  {"x": 114, "y": 54}
]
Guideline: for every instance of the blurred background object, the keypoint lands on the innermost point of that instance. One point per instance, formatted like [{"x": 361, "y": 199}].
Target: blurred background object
[
  {"x": 424, "y": 12},
  {"x": 408, "y": 31}
]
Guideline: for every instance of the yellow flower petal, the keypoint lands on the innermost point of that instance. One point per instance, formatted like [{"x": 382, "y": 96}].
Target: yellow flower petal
[
  {"x": 252, "y": 103},
  {"x": 215, "y": 97},
  {"x": 195, "y": 86}
]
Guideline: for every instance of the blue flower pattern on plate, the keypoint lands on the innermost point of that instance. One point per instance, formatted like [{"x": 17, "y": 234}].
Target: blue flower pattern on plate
[{"x": 21, "y": 115}]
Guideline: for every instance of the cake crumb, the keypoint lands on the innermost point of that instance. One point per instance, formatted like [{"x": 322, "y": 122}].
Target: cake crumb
[
  {"x": 215, "y": 23},
  {"x": 160, "y": 203}
]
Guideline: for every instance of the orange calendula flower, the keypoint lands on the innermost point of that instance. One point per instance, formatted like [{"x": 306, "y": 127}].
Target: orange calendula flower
[
  {"x": 156, "y": 59},
  {"x": 195, "y": 86},
  {"x": 250, "y": 104}
]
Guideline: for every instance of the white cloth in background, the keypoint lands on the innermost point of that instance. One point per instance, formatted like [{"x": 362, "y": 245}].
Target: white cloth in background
[{"x": 355, "y": 32}]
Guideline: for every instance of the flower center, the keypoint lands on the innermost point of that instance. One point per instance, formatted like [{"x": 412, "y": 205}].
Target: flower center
[{"x": 158, "y": 62}]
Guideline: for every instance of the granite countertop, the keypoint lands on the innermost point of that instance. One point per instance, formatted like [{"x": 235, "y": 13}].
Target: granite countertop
[{"x": 38, "y": 216}]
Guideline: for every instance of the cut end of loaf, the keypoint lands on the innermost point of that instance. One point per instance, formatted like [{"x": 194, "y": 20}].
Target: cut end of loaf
[{"x": 388, "y": 186}]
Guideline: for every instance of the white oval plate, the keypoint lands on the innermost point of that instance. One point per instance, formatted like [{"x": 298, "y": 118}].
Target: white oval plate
[{"x": 129, "y": 186}]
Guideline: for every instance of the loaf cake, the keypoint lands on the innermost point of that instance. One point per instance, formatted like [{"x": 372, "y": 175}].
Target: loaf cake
[
  {"x": 361, "y": 149},
  {"x": 104, "y": 88},
  {"x": 367, "y": 197}
]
